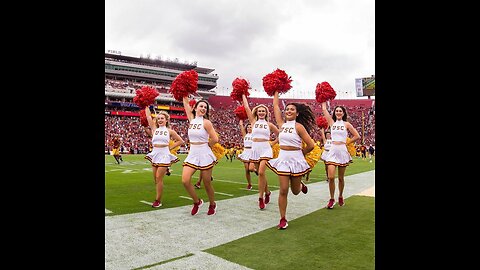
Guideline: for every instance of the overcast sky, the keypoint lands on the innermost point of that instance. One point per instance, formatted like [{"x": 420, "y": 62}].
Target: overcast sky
[{"x": 312, "y": 40}]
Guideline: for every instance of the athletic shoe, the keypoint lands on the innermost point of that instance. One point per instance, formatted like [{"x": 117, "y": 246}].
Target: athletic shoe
[
  {"x": 261, "y": 204},
  {"x": 267, "y": 197},
  {"x": 212, "y": 209},
  {"x": 283, "y": 224},
  {"x": 331, "y": 203},
  {"x": 249, "y": 187},
  {"x": 196, "y": 207},
  {"x": 340, "y": 201},
  {"x": 197, "y": 185},
  {"x": 304, "y": 188},
  {"x": 168, "y": 172},
  {"x": 156, "y": 204},
  {"x": 211, "y": 178}
]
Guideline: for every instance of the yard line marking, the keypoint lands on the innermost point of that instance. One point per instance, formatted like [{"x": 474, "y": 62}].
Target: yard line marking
[
  {"x": 128, "y": 171},
  {"x": 186, "y": 197},
  {"x": 107, "y": 211},
  {"x": 249, "y": 190},
  {"x": 226, "y": 194},
  {"x": 227, "y": 181},
  {"x": 146, "y": 202}
]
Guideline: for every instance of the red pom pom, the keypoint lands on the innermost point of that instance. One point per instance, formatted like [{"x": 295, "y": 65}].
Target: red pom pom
[
  {"x": 324, "y": 92},
  {"x": 241, "y": 113},
  {"x": 192, "y": 103},
  {"x": 322, "y": 122},
  {"x": 277, "y": 81},
  {"x": 184, "y": 84},
  {"x": 143, "y": 118},
  {"x": 145, "y": 96},
  {"x": 240, "y": 87}
]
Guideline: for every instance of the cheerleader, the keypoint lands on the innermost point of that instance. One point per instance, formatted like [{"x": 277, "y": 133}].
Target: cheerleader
[
  {"x": 202, "y": 137},
  {"x": 327, "y": 142},
  {"x": 338, "y": 155},
  {"x": 247, "y": 150},
  {"x": 160, "y": 157},
  {"x": 261, "y": 148},
  {"x": 291, "y": 164}
]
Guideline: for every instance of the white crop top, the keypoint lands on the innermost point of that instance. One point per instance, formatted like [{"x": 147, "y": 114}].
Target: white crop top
[
  {"x": 328, "y": 143},
  {"x": 196, "y": 130},
  {"x": 247, "y": 140},
  {"x": 261, "y": 130},
  {"x": 288, "y": 136},
  {"x": 161, "y": 136},
  {"x": 339, "y": 131}
]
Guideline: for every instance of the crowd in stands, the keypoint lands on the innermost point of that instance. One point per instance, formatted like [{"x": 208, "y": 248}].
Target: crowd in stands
[{"x": 226, "y": 124}]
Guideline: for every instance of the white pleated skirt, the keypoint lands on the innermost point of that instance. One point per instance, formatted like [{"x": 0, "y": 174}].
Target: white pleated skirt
[
  {"x": 290, "y": 163},
  {"x": 338, "y": 156},
  {"x": 261, "y": 151},
  {"x": 246, "y": 155},
  {"x": 200, "y": 157},
  {"x": 161, "y": 157}
]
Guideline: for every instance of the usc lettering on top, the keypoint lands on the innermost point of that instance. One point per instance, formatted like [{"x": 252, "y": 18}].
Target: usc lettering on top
[{"x": 195, "y": 126}]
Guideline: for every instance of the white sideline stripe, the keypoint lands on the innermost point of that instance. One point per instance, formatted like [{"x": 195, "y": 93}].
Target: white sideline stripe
[
  {"x": 149, "y": 203},
  {"x": 186, "y": 197},
  {"x": 107, "y": 211},
  {"x": 249, "y": 190},
  {"x": 231, "y": 195},
  {"x": 228, "y": 181}
]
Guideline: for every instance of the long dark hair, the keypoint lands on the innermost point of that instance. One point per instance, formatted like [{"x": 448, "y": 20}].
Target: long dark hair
[
  {"x": 206, "y": 116},
  {"x": 344, "y": 118},
  {"x": 305, "y": 115}
]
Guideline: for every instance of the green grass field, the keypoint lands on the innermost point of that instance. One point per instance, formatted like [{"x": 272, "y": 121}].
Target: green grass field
[
  {"x": 131, "y": 182},
  {"x": 343, "y": 238}
]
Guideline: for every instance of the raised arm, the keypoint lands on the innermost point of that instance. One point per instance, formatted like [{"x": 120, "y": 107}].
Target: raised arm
[
  {"x": 327, "y": 114},
  {"x": 274, "y": 129},
  {"x": 188, "y": 109},
  {"x": 178, "y": 140},
  {"x": 211, "y": 132},
  {"x": 323, "y": 139},
  {"x": 151, "y": 124},
  {"x": 302, "y": 132},
  {"x": 276, "y": 110},
  {"x": 352, "y": 130},
  {"x": 251, "y": 118},
  {"x": 242, "y": 128}
]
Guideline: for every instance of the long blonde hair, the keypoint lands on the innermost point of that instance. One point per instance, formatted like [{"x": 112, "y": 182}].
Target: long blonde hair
[
  {"x": 167, "y": 117},
  {"x": 254, "y": 112}
]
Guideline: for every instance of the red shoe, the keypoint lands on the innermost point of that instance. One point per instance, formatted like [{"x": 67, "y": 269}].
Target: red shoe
[
  {"x": 212, "y": 209},
  {"x": 156, "y": 204},
  {"x": 340, "y": 201},
  {"x": 267, "y": 197},
  {"x": 197, "y": 185},
  {"x": 304, "y": 188},
  {"x": 249, "y": 187},
  {"x": 261, "y": 204},
  {"x": 331, "y": 203},
  {"x": 196, "y": 207},
  {"x": 283, "y": 224}
]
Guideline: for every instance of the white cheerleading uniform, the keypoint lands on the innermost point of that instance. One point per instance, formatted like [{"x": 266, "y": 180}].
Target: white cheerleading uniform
[
  {"x": 326, "y": 149},
  {"x": 338, "y": 154},
  {"x": 161, "y": 156},
  {"x": 261, "y": 150},
  {"x": 289, "y": 162},
  {"x": 200, "y": 156},
  {"x": 247, "y": 148}
]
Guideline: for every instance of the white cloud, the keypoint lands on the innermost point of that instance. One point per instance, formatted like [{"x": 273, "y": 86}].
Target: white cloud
[{"x": 313, "y": 41}]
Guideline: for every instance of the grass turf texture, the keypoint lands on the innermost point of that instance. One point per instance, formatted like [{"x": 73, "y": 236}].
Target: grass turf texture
[
  {"x": 342, "y": 238},
  {"x": 128, "y": 183}
]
